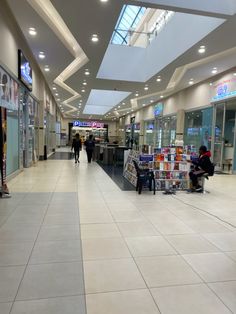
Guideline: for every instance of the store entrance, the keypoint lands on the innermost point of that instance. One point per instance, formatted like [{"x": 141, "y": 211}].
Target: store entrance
[{"x": 224, "y": 137}]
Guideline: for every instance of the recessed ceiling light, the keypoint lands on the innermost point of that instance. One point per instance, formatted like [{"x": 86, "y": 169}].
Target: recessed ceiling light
[
  {"x": 83, "y": 90},
  {"x": 214, "y": 71},
  {"x": 32, "y": 31},
  {"x": 118, "y": 106},
  {"x": 86, "y": 72},
  {"x": 46, "y": 68},
  {"x": 94, "y": 38},
  {"x": 191, "y": 82},
  {"x": 136, "y": 94},
  {"x": 202, "y": 49},
  {"x": 56, "y": 94},
  {"x": 54, "y": 88},
  {"x": 234, "y": 74},
  {"x": 84, "y": 83},
  {"x": 151, "y": 100},
  {"x": 146, "y": 87},
  {"x": 158, "y": 79},
  {"x": 161, "y": 96},
  {"x": 144, "y": 105},
  {"x": 123, "y": 103},
  {"x": 58, "y": 99},
  {"x": 104, "y": 0},
  {"x": 41, "y": 55}
]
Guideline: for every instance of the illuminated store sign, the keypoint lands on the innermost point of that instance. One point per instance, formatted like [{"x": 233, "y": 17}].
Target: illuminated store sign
[
  {"x": 88, "y": 124},
  {"x": 223, "y": 89},
  {"x": 158, "y": 109}
]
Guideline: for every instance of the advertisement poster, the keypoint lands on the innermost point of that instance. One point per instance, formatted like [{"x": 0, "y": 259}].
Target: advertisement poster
[{"x": 3, "y": 150}]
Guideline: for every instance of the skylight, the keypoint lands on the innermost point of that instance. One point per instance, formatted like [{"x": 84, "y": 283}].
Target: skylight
[{"x": 129, "y": 18}]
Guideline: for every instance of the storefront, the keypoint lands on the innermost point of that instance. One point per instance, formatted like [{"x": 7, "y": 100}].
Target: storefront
[
  {"x": 9, "y": 95},
  {"x": 198, "y": 127},
  {"x": 165, "y": 131},
  {"x": 28, "y": 117},
  {"x": 98, "y": 129},
  {"x": 224, "y": 120},
  {"x": 149, "y": 132}
]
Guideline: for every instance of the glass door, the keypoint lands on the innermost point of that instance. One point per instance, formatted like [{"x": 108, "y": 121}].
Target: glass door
[
  {"x": 229, "y": 137},
  {"x": 218, "y": 133},
  {"x": 224, "y": 136}
]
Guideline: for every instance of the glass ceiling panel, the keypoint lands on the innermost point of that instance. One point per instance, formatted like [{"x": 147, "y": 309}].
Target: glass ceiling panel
[{"x": 128, "y": 19}]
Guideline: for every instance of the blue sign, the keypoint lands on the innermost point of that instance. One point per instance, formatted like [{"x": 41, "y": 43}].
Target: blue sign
[
  {"x": 158, "y": 109},
  {"x": 146, "y": 158}
]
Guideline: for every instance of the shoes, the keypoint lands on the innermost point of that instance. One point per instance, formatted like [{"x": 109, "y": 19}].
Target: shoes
[
  {"x": 76, "y": 161},
  {"x": 199, "y": 189}
]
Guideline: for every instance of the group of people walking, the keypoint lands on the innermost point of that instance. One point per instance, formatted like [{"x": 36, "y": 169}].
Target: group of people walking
[{"x": 77, "y": 147}]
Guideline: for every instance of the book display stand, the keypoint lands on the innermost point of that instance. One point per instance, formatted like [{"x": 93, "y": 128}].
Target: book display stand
[{"x": 169, "y": 165}]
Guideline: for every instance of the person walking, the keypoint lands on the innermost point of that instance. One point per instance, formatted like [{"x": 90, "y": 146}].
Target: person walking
[
  {"x": 89, "y": 144},
  {"x": 77, "y": 146}
]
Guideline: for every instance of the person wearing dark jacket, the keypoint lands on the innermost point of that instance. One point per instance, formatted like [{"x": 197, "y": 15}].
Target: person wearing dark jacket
[
  {"x": 89, "y": 144},
  {"x": 201, "y": 166},
  {"x": 76, "y": 145}
]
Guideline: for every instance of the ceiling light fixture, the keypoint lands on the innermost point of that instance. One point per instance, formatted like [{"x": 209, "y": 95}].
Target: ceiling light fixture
[
  {"x": 41, "y": 55},
  {"x": 161, "y": 96},
  {"x": 151, "y": 101},
  {"x": 123, "y": 103},
  {"x": 95, "y": 38},
  {"x": 158, "y": 79},
  {"x": 214, "y": 71},
  {"x": 86, "y": 72},
  {"x": 144, "y": 105},
  {"x": 211, "y": 84},
  {"x": 85, "y": 83},
  {"x": 46, "y": 68},
  {"x": 104, "y": 0},
  {"x": 146, "y": 87},
  {"x": 54, "y": 88},
  {"x": 136, "y": 94},
  {"x": 56, "y": 94},
  {"x": 118, "y": 106},
  {"x": 234, "y": 74},
  {"x": 202, "y": 49},
  {"x": 191, "y": 82},
  {"x": 32, "y": 31},
  {"x": 83, "y": 90}
]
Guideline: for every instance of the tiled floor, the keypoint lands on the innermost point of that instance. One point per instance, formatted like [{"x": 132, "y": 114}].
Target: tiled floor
[{"x": 72, "y": 242}]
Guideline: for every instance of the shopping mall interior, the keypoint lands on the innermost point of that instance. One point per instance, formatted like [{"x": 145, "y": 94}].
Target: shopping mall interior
[{"x": 151, "y": 81}]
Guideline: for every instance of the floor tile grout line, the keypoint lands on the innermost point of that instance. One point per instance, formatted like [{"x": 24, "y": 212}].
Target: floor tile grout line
[
  {"x": 205, "y": 211},
  {"x": 26, "y": 266},
  {"x": 137, "y": 267},
  {"x": 81, "y": 244}
]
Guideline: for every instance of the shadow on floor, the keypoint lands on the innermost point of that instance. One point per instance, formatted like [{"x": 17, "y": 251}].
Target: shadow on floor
[
  {"x": 61, "y": 156},
  {"x": 116, "y": 174}
]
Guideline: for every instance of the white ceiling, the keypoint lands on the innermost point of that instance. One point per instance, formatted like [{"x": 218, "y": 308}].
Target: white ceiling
[{"x": 86, "y": 17}]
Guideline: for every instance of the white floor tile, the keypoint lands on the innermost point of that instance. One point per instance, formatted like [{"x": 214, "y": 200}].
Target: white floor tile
[
  {"x": 104, "y": 248},
  {"x": 125, "y": 302},
  {"x": 226, "y": 291},
  {"x": 194, "y": 299},
  {"x": 63, "y": 305},
  {"x": 166, "y": 270},
  {"x": 99, "y": 231},
  {"x": 112, "y": 275},
  {"x": 191, "y": 243},
  {"x": 149, "y": 246},
  {"x": 212, "y": 266},
  {"x": 10, "y": 278}
]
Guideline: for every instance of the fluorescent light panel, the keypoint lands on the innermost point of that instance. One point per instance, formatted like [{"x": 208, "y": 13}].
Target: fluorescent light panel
[{"x": 101, "y": 101}]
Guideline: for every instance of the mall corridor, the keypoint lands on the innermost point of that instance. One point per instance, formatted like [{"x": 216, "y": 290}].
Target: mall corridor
[{"x": 71, "y": 240}]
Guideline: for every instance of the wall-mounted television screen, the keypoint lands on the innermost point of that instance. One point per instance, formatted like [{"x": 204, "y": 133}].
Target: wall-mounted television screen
[{"x": 24, "y": 70}]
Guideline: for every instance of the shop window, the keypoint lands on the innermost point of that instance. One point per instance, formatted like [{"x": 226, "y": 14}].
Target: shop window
[{"x": 198, "y": 127}]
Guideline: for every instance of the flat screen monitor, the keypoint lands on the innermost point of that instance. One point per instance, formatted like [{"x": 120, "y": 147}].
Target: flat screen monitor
[{"x": 24, "y": 70}]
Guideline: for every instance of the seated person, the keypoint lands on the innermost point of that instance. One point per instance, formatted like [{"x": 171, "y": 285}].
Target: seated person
[{"x": 201, "y": 166}]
